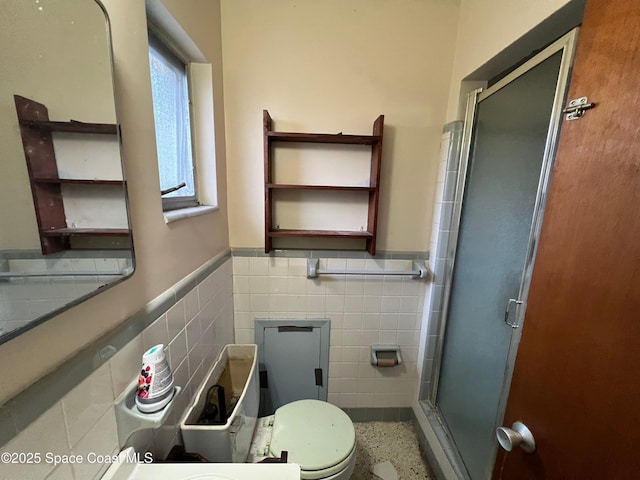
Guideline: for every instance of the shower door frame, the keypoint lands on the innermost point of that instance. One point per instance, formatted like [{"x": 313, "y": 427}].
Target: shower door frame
[{"x": 566, "y": 44}]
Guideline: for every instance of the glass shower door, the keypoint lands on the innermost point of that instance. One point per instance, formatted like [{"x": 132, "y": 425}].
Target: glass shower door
[{"x": 504, "y": 171}]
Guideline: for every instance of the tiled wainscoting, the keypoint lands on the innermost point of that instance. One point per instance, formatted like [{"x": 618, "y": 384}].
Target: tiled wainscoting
[
  {"x": 364, "y": 310},
  {"x": 195, "y": 318},
  {"x": 17, "y": 294},
  {"x": 440, "y": 260},
  {"x": 71, "y": 411}
]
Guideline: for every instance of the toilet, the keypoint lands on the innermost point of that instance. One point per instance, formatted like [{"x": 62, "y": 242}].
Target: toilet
[{"x": 316, "y": 435}]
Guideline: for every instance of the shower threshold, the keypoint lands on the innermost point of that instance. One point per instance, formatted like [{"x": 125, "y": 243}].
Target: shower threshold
[{"x": 440, "y": 431}]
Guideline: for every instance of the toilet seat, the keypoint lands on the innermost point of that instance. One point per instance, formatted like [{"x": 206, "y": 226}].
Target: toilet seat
[{"x": 317, "y": 435}]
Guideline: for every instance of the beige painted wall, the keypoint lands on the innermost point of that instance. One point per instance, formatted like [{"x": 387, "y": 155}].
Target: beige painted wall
[
  {"x": 164, "y": 253},
  {"x": 334, "y": 66},
  {"x": 485, "y": 28}
]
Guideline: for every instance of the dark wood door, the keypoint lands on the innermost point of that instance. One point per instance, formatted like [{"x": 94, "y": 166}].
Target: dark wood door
[{"x": 576, "y": 383}]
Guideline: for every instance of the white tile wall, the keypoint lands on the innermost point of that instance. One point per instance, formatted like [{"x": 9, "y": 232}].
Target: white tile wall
[
  {"x": 364, "y": 310},
  {"x": 443, "y": 207},
  {"x": 83, "y": 421},
  {"x": 17, "y": 306},
  {"x": 83, "y": 406},
  {"x": 47, "y": 434}
]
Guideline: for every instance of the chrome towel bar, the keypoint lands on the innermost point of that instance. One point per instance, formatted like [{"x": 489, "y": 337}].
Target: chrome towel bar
[
  {"x": 90, "y": 273},
  {"x": 419, "y": 270}
]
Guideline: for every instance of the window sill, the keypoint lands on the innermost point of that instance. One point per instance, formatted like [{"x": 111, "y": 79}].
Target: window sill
[{"x": 175, "y": 215}]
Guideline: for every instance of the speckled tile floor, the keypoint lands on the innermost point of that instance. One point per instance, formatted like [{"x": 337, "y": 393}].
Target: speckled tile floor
[{"x": 393, "y": 441}]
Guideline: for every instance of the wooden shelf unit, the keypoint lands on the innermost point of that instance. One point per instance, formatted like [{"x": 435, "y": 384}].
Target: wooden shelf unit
[
  {"x": 46, "y": 186},
  {"x": 374, "y": 141}
]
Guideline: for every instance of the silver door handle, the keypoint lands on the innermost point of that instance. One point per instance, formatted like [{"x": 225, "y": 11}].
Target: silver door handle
[
  {"x": 516, "y": 436},
  {"x": 507, "y": 311}
]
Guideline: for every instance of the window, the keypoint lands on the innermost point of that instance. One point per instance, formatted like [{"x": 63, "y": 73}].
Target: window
[{"x": 169, "y": 85}]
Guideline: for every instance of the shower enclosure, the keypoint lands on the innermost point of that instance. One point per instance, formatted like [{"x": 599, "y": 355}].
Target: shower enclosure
[{"x": 507, "y": 152}]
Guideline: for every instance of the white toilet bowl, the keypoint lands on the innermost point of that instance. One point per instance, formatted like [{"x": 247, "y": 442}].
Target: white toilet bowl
[{"x": 318, "y": 436}]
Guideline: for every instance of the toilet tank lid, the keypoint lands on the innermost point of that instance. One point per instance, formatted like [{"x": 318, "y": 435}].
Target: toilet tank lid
[{"x": 316, "y": 434}]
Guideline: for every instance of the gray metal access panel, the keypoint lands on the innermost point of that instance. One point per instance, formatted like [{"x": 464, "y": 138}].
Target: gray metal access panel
[{"x": 293, "y": 358}]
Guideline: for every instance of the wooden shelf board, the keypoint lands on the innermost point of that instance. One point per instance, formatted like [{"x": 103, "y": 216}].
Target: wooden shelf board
[
  {"x": 78, "y": 181},
  {"x": 86, "y": 232},
  {"x": 319, "y": 233},
  {"x": 280, "y": 186},
  {"x": 323, "y": 138},
  {"x": 72, "y": 126}
]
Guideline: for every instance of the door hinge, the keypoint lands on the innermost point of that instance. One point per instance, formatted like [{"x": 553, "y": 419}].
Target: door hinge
[
  {"x": 318, "y": 377},
  {"x": 577, "y": 107}
]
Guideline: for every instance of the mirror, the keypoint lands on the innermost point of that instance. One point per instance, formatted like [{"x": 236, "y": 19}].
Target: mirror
[{"x": 64, "y": 228}]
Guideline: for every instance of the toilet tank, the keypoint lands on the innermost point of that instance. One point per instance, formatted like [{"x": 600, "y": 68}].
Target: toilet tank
[{"x": 236, "y": 371}]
